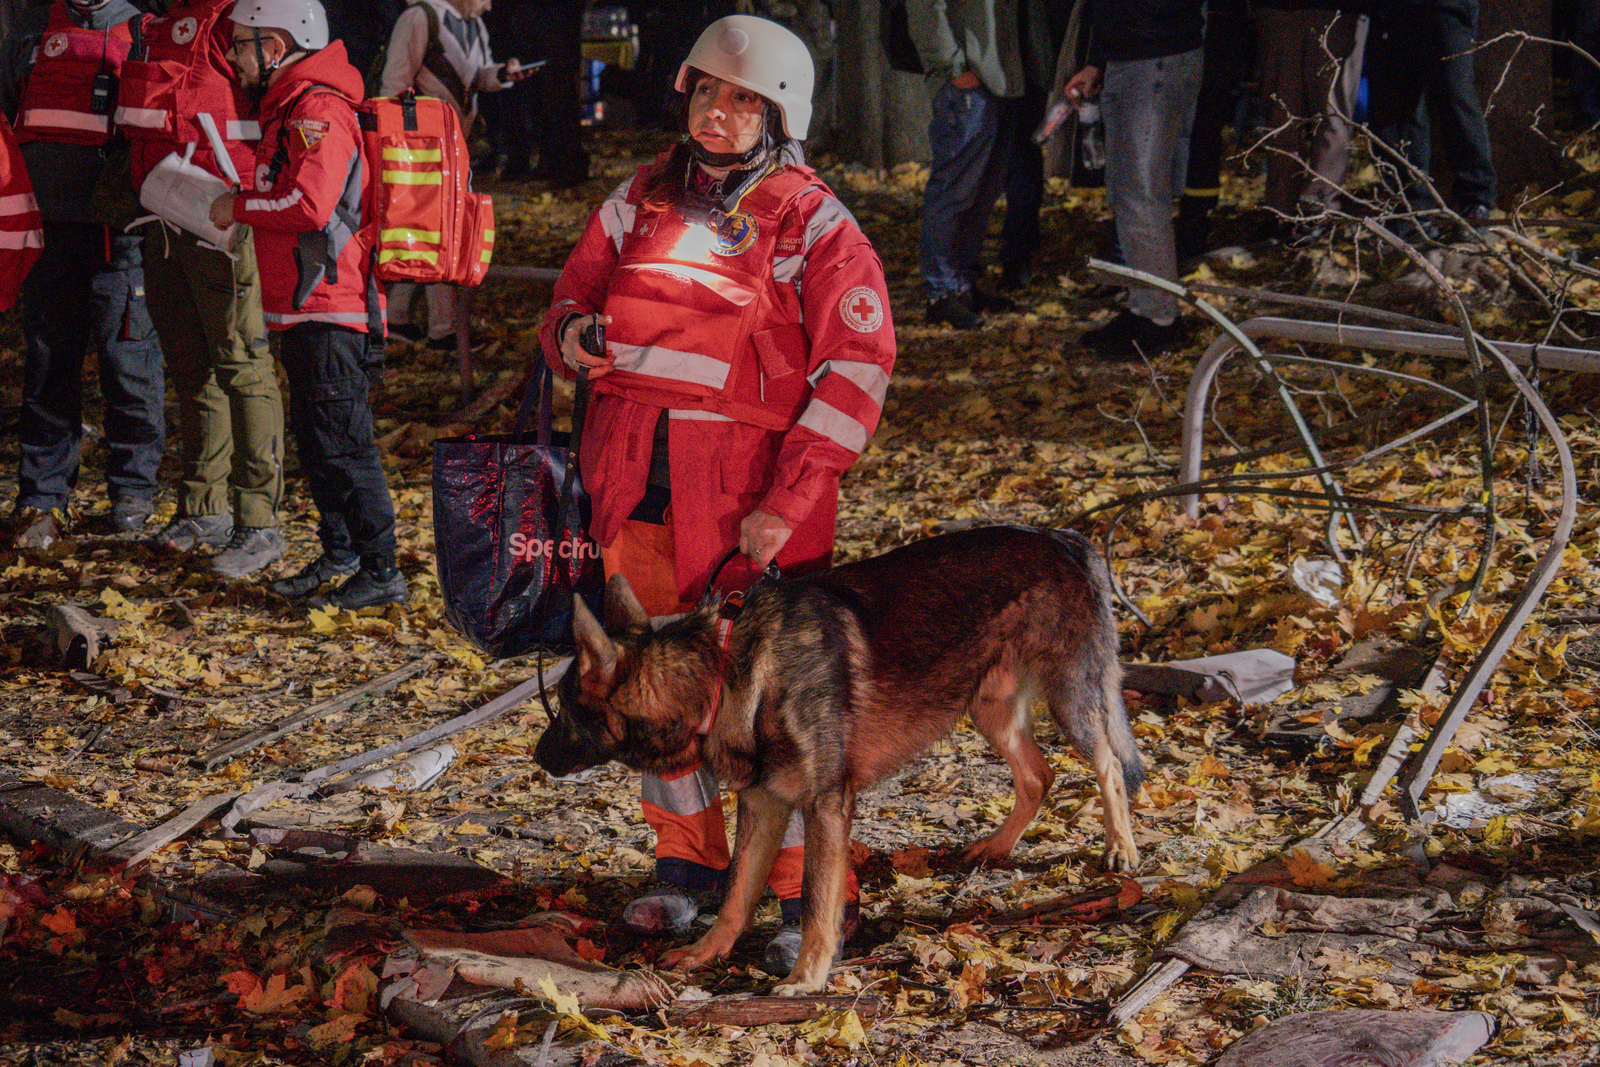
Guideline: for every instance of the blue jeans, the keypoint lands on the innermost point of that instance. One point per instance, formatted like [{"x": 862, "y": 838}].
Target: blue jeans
[
  {"x": 1424, "y": 53},
  {"x": 87, "y": 289},
  {"x": 965, "y": 179},
  {"x": 1148, "y": 107}
]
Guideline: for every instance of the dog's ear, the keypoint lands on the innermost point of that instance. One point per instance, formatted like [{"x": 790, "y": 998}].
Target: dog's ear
[
  {"x": 597, "y": 653},
  {"x": 624, "y": 613}
]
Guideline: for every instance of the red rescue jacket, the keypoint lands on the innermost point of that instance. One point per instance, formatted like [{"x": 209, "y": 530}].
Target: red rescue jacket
[
  {"x": 182, "y": 72},
  {"x": 305, "y": 202},
  {"x": 769, "y": 343},
  {"x": 57, "y": 101},
  {"x": 21, "y": 229}
]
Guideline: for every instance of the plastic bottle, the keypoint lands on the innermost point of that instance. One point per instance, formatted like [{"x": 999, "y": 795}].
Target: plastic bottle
[{"x": 1092, "y": 141}]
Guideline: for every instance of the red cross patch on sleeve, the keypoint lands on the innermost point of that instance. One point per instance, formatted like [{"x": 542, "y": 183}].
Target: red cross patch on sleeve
[
  {"x": 862, "y": 309},
  {"x": 311, "y": 131}
]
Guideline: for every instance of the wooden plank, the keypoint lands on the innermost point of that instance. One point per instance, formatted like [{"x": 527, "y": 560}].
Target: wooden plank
[
  {"x": 32, "y": 811},
  {"x": 494, "y": 708},
  {"x": 230, "y": 750},
  {"x": 138, "y": 849}
]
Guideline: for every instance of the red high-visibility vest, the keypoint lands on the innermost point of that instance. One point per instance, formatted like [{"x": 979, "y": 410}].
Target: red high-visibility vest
[
  {"x": 57, "y": 99},
  {"x": 21, "y": 228}
]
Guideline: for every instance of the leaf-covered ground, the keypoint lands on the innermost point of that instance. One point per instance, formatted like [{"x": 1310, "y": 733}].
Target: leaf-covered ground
[{"x": 1015, "y": 423}]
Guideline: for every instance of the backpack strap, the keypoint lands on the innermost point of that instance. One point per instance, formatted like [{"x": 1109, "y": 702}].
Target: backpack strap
[{"x": 435, "y": 62}]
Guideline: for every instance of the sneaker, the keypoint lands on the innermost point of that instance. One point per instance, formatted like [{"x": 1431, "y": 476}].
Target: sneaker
[
  {"x": 187, "y": 532},
  {"x": 404, "y": 331},
  {"x": 783, "y": 951},
  {"x": 1015, "y": 276},
  {"x": 1129, "y": 336},
  {"x": 952, "y": 309},
  {"x": 130, "y": 513},
  {"x": 36, "y": 529},
  {"x": 366, "y": 589},
  {"x": 991, "y": 303},
  {"x": 250, "y": 549},
  {"x": 310, "y": 578},
  {"x": 666, "y": 909}
]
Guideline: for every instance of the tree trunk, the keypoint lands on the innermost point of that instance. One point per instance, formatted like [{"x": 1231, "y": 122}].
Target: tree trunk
[{"x": 1514, "y": 80}]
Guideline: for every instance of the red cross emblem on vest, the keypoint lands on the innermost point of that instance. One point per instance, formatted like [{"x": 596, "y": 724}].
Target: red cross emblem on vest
[{"x": 862, "y": 309}]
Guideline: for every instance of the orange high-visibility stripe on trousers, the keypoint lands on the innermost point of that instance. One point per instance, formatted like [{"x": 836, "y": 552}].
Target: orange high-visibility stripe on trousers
[{"x": 685, "y": 811}]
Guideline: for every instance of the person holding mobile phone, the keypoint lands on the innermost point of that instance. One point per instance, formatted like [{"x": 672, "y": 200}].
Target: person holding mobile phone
[{"x": 440, "y": 48}]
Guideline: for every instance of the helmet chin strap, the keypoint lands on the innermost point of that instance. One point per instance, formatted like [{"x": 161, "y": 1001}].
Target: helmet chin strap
[{"x": 731, "y": 160}]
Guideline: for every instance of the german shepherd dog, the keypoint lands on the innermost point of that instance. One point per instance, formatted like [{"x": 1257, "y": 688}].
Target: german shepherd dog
[{"x": 825, "y": 685}]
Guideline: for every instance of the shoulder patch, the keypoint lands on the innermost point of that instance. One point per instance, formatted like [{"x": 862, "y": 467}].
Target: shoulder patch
[
  {"x": 55, "y": 44},
  {"x": 184, "y": 29},
  {"x": 311, "y": 131},
  {"x": 862, "y": 309}
]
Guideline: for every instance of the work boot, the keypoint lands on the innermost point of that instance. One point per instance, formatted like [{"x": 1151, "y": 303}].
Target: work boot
[
  {"x": 250, "y": 549},
  {"x": 130, "y": 513},
  {"x": 953, "y": 309},
  {"x": 1129, "y": 336},
  {"x": 783, "y": 951},
  {"x": 666, "y": 909},
  {"x": 366, "y": 588},
  {"x": 310, "y": 578},
  {"x": 186, "y": 532},
  {"x": 36, "y": 529}
]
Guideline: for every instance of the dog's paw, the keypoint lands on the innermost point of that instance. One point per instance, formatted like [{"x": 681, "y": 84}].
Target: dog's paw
[
  {"x": 799, "y": 989},
  {"x": 1122, "y": 859},
  {"x": 984, "y": 852},
  {"x": 693, "y": 957}
]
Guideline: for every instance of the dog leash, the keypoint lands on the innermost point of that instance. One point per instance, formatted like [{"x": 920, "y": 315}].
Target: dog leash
[{"x": 729, "y": 610}]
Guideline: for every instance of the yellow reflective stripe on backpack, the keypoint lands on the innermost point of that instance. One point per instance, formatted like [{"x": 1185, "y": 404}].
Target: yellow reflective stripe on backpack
[
  {"x": 423, "y": 255},
  {"x": 412, "y": 155},
  {"x": 427, "y": 237},
  {"x": 415, "y": 178}
]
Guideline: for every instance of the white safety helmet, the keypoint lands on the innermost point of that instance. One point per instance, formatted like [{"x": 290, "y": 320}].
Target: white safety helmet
[
  {"x": 304, "y": 20},
  {"x": 759, "y": 55}
]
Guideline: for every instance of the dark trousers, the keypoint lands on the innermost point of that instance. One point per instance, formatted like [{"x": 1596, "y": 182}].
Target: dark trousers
[
  {"x": 1020, "y": 236},
  {"x": 88, "y": 288},
  {"x": 1422, "y": 53},
  {"x": 330, "y": 416}
]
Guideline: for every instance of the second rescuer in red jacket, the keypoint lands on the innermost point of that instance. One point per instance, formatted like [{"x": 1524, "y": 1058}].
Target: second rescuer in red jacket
[
  {"x": 748, "y": 352},
  {"x": 317, "y": 287}
]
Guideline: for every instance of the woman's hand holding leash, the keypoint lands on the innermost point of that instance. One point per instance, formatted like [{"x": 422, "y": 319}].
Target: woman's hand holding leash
[
  {"x": 575, "y": 355},
  {"x": 762, "y": 536}
]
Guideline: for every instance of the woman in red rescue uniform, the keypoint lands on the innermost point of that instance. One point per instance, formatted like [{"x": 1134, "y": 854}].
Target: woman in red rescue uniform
[{"x": 748, "y": 351}]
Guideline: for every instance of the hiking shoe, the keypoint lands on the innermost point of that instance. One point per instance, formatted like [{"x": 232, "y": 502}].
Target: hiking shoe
[
  {"x": 783, "y": 951},
  {"x": 1129, "y": 336},
  {"x": 36, "y": 529},
  {"x": 953, "y": 309},
  {"x": 666, "y": 909},
  {"x": 309, "y": 579},
  {"x": 186, "y": 532},
  {"x": 366, "y": 589},
  {"x": 250, "y": 549},
  {"x": 404, "y": 331},
  {"x": 130, "y": 513},
  {"x": 990, "y": 303}
]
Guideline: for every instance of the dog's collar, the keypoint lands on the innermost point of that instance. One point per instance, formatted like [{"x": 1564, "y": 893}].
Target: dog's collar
[{"x": 725, "y": 616}]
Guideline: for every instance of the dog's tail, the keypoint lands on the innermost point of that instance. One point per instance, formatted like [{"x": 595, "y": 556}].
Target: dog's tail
[{"x": 1107, "y": 667}]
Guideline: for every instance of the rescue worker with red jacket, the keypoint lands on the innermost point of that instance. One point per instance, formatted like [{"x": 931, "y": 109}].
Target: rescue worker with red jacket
[
  {"x": 748, "y": 351},
  {"x": 87, "y": 287},
  {"x": 206, "y": 301},
  {"x": 317, "y": 288}
]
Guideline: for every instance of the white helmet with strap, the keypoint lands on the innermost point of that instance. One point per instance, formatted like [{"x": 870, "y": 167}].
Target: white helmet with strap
[
  {"x": 303, "y": 20},
  {"x": 759, "y": 55}
]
